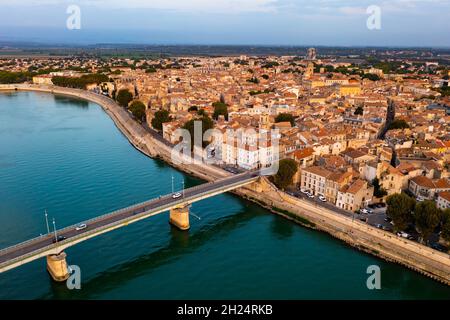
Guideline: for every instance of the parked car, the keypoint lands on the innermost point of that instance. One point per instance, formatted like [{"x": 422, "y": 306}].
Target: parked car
[
  {"x": 310, "y": 195},
  {"x": 81, "y": 227},
  {"x": 379, "y": 226},
  {"x": 322, "y": 198},
  {"x": 304, "y": 191},
  {"x": 176, "y": 195},
  {"x": 59, "y": 239},
  {"x": 439, "y": 247},
  {"x": 403, "y": 234},
  {"x": 364, "y": 211}
]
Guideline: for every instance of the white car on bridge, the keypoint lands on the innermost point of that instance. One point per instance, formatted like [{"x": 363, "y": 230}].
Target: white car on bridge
[{"x": 176, "y": 195}]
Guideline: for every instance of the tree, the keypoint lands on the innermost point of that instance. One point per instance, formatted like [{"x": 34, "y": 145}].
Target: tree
[
  {"x": 427, "y": 218},
  {"x": 400, "y": 207},
  {"x": 220, "y": 108},
  {"x": 379, "y": 192},
  {"x": 371, "y": 76},
  {"x": 286, "y": 171},
  {"x": 137, "y": 108},
  {"x": 193, "y": 108},
  {"x": 124, "y": 97},
  {"x": 285, "y": 117},
  {"x": 265, "y": 77},
  {"x": 254, "y": 80},
  {"x": 207, "y": 124},
  {"x": 359, "y": 111},
  {"x": 446, "y": 224},
  {"x": 80, "y": 82},
  {"x": 160, "y": 117},
  {"x": 398, "y": 124}
]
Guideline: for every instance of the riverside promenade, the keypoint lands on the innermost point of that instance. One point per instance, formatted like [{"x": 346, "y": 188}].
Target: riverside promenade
[{"x": 355, "y": 233}]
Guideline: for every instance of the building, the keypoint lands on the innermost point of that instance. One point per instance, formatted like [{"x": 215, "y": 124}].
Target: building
[
  {"x": 355, "y": 196},
  {"x": 443, "y": 200},
  {"x": 349, "y": 90},
  {"x": 427, "y": 188},
  {"x": 315, "y": 179},
  {"x": 44, "y": 79}
]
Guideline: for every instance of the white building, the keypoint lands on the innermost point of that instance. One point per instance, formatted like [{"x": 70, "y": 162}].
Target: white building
[{"x": 443, "y": 200}]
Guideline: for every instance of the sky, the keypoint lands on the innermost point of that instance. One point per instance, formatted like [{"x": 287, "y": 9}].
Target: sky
[{"x": 230, "y": 22}]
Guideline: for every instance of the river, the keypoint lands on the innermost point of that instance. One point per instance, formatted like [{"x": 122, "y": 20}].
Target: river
[{"x": 66, "y": 156}]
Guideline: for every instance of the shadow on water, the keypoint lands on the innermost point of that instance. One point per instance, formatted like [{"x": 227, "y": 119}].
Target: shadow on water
[
  {"x": 70, "y": 101},
  {"x": 181, "y": 243},
  {"x": 281, "y": 228}
]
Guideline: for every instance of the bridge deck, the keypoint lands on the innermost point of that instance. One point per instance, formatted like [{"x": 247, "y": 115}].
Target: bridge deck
[{"x": 35, "y": 248}]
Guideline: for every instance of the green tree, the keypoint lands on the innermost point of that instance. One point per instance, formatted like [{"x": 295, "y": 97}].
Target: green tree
[
  {"x": 220, "y": 108},
  {"x": 286, "y": 171},
  {"x": 124, "y": 97},
  {"x": 137, "y": 108},
  {"x": 398, "y": 124},
  {"x": 254, "y": 80},
  {"x": 446, "y": 224},
  {"x": 400, "y": 207},
  {"x": 193, "y": 108},
  {"x": 371, "y": 76},
  {"x": 379, "y": 192},
  {"x": 160, "y": 117},
  {"x": 207, "y": 124},
  {"x": 427, "y": 218},
  {"x": 285, "y": 117},
  {"x": 359, "y": 111}
]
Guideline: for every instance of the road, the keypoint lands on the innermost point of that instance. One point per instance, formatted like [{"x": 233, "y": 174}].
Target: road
[{"x": 189, "y": 195}]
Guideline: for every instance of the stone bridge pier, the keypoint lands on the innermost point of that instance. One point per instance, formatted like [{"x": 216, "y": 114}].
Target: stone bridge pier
[
  {"x": 57, "y": 267},
  {"x": 179, "y": 217}
]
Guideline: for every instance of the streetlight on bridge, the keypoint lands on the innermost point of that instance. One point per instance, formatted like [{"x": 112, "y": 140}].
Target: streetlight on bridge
[
  {"x": 54, "y": 229},
  {"x": 46, "y": 221}
]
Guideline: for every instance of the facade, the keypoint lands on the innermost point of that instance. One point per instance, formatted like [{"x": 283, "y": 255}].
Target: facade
[
  {"x": 426, "y": 188},
  {"x": 355, "y": 196},
  {"x": 443, "y": 200}
]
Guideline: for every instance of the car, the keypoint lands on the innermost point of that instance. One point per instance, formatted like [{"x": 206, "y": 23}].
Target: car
[
  {"x": 379, "y": 226},
  {"x": 176, "y": 195},
  {"x": 439, "y": 247},
  {"x": 310, "y": 195},
  {"x": 81, "y": 227},
  {"x": 364, "y": 211},
  {"x": 387, "y": 219},
  {"x": 59, "y": 239},
  {"x": 304, "y": 191},
  {"x": 369, "y": 211},
  {"x": 322, "y": 198},
  {"x": 403, "y": 234}
]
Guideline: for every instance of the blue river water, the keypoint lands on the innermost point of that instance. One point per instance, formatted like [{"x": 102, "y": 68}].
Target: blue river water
[{"x": 67, "y": 157}]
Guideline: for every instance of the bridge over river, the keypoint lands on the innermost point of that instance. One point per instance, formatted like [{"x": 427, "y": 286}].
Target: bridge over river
[{"x": 177, "y": 204}]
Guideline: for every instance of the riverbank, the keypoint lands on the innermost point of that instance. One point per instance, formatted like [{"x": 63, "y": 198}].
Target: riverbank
[{"x": 357, "y": 234}]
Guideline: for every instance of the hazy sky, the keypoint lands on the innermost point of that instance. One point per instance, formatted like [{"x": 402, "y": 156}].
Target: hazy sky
[{"x": 267, "y": 22}]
